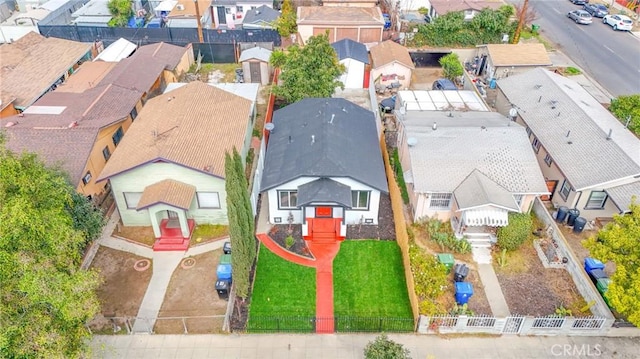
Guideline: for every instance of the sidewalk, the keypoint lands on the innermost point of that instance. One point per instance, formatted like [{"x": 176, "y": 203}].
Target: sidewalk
[
  {"x": 559, "y": 59},
  {"x": 343, "y": 346}
]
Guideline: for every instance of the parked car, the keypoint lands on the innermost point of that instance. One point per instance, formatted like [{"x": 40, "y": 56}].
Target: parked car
[
  {"x": 388, "y": 104},
  {"x": 596, "y": 10},
  {"x": 444, "y": 84},
  {"x": 580, "y": 17},
  {"x": 618, "y": 22},
  {"x": 579, "y": 2}
]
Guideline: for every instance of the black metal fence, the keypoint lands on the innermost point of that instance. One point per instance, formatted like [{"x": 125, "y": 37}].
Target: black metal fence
[{"x": 342, "y": 324}]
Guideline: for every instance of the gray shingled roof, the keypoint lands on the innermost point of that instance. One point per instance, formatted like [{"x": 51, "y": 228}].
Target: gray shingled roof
[
  {"x": 262, "y": 15},
  {"x": 324, "y": 190},
  {"x": 324, "y": 137},
  {"x": 621, "y": 195},
  {"x": 349, "y": 49},
  {"x": 478, "y": 190},
  {"x": 573, "y": 127},
  {"x": 257, "y": 53},
  {"x": 441, "y": 159}
]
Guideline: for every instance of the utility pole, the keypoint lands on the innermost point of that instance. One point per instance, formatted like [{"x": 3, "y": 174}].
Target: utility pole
[
  {"x": 516, "y": 35},
  {"x": 200, "y": 36}
]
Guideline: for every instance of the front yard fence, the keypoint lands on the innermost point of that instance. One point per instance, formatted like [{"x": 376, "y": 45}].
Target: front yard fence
[
  {"x": 342, "y": 324},
  {"x": 208, "y": 324}
]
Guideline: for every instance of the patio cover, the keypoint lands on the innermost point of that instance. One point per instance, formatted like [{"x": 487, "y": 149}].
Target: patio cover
[
  {"x": 488, "y": 216},
  {"x": 324, "y": 190},
  {"x": 171, "y": 192}
]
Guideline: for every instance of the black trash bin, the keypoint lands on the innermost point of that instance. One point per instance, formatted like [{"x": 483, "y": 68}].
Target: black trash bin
[
  {"x": 562, "y": 214},
  {"x": 579, "y": 224},
  {"x": 573, "y": 214},
  {"x": 460, "y": 273},
  {"x": 222, "y": 287},
  {"x": 596, "y": 274},
  {"x": 226, "y": 248}
]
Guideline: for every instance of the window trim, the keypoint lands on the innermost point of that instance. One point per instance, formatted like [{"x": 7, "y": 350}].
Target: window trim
[
  {"x": 126, "y": 201},
  {"x": 562, "y": 187},
  {"x": 518, "y": 202},
  {"x": 86, "y": 179},
  {"x": 108, "y": 155},
  {"x": 120, "y": 133},
  {"x": 548, "y": 160},
  {"x": 208, "y": 192},
  {"x": 529, "y": 132},
  {"x": 354, "y": 208},
  {"x": 289, "y": 191},
  {"x": 431, "y": 199},
  {"x": 133, "y": 114},
  {"x": 536, "y": 144},
  {"x": 603, "y": 202}
]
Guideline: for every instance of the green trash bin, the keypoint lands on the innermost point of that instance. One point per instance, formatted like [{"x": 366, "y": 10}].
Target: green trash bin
[
  {"x": 447, "y": 260},
  {"x": 535, "y": 27},
  {"x": 225, "y": 259},
  {"x": 603, "y": 286}
]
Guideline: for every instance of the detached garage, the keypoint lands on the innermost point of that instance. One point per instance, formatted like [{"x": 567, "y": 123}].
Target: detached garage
[
  {"x": 255, "y": 65},
  {"x": 364, "y": 25}
]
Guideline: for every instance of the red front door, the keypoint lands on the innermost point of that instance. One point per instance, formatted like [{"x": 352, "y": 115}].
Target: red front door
[{"x": 324, "y": 212}]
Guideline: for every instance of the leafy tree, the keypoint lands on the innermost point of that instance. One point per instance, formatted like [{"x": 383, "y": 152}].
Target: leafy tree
[
  {"x": 618, "y": 242},
  {"x": 45, "y": 299},
  {"x": 451, "y": 66},
  {"x": 286, "y": 23},
  {"x": 627, "y": 107},
  {"x": 241, "y": 223},
  {"x": 384, "y": 348},
  {"x": 516, "y": 232},
  {"x": 86, "y": 217},
  {"x": 309, "y": 71},
  {"x": 121, "y": 11}
]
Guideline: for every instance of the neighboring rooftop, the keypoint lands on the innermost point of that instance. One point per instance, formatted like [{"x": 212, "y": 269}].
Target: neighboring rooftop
[
  {"x": 246, "y": 90},
  {"x": 436, "y": 100},
  {"x": 257, "y": 53},
  {"x": 388, "y": 52},
  {"x": 87, "y": 76},
  {"x": 117, "y": 51},
  {"x": 349, "y": 49},
  {"x": 622, "y": 195},
  {"x": 179, "y": 126},
  {"x": 445, "y": 6},
  {"x": 534, "y": 54},
  {"x": 260, "y": 17},
  {"x": 329, "y": 15},
  {"x": 32, "y": 64},
  {"x": 589, "y": 145},
  {"x": 324, "y": 137}
]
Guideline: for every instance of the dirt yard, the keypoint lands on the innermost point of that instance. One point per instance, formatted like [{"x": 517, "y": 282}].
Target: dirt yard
[
  {"x": 575, "y": 242},
  {"x": 123, "y": 288},
  {"x": 139, "y": 234},
  {"x": 192, "y": 293},
  {"x": 423, "y": 77}
]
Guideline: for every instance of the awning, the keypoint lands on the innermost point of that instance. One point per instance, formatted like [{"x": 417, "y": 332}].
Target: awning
[
  {"x": 171, "y": 192},
  {"x": 493, "y": 217}
]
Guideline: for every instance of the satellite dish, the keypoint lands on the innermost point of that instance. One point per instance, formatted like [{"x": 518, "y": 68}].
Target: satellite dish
[
  {"x": 412, "y": 141},
  {"x": 269, "y": 126},
  {"x": 513, "y": 113}
]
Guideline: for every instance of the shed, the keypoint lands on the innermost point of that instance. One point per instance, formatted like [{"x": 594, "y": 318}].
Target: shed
[
  {"x": 503, "y": 60},
  {"x": 255, "y": 65}
]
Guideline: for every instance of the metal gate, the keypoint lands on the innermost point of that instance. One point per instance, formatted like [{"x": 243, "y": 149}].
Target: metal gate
[{"x": 513, "y": 325}]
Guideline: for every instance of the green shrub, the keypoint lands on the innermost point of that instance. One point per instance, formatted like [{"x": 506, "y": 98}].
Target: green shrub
[
  {"x": 443, "y": 235},
  {"x": 451, "y": 66},
  {"x": 384, "y": 348},
  {"x": 397, "y": 169},
  {"x": 516, "y": 232},
  {"x": 572, "y": 71},
  {"x": 429, "y": 276},
  {"x": 289, "y": 242},
  {"x": 627, "y": 109}
]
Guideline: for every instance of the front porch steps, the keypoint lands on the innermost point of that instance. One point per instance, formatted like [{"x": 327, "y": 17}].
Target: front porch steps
[{"x": 173, "y": 244}]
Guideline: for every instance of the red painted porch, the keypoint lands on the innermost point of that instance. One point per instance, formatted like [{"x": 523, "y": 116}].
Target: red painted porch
[{"x": 171, "y": 238}]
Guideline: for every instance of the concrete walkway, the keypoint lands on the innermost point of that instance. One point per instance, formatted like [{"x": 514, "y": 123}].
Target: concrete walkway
[
  {"x": 492, "y": 289},
  {"x": 351, "y": 346},
  {"x": 559, "y": 59}
]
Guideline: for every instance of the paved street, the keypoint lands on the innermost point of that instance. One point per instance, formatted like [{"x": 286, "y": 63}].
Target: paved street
[{"x": 612, "y": 58}]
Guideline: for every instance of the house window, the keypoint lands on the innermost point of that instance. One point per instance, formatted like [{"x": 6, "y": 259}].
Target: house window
[
  {"x": 131, "y": 199},
  {"x": 208, "y": 199},
  {"x": 565, "y": 189},
  {"x": 117, "y": 137},
  {"x": 360, "y": 200},
  {"x": 518, "y": 198},
  {"x": 133, "y": 114},
  {"x": 548, "y": 160},
  {"x": 596, "y": 200},
  {"x": 287, "y": 199},
  {"x": 239, "y": 9},
  {"x": 87, "y": 177},
  {"x": 106, "y": 153},
  {"x": 536, "y": 144},
  {"x": 440, "y": 201},
  {"x": 529, "y": 132},
  {"x": 227, "y": 10}
]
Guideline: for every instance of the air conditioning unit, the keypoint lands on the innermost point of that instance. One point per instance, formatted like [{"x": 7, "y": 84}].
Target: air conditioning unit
[{"x": 180, "y": 7}]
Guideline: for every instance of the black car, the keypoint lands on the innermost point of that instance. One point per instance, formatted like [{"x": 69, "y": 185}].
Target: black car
[
  {"x": 444, "y": 84},
  {"x": 579, "y": 2},
  {"x": 388, "y": 104},
  {"x": 596, "y": 10}
]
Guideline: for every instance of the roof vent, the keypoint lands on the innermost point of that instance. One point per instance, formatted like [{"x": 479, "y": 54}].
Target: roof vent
[
  {"x": 257, "y": 12},
  {"x": 333, "y": 115},
  {"x": 73, "y": 124},
  {"x": 9, "y": 124},
  {"x": 435, "y": 126},
  {"x": 412, "y": 141},
  {"x": 538, "y": 87},
  {"x": 313, "y": 139},
  {"x": 180, "y": 7},
  {"x": 269, "y": 127},
  {"x": 610, "y": 133}
]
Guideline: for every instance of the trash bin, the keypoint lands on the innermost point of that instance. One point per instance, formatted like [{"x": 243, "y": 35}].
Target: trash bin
[
  {"x": 603, "y": 286},
  {"x": 226, "y": 248},
  {"x": 223, "y": 287},
  {"x": 225, "y": 259},
  {"x": 535, "y": 27},
  {"x": 464, "y": 291},
  {"x": 591, "y": 263},
  {"x": 579, "y": 224},
  {"x": 460, "y": 272},
  {"x": 596, "y": 274},
  {"x": 224, "y": 271},
  {"x": 492, "y": 84},
  {"x": 562, "y": 214},
  {"x": 572, "y": 215},
  {"x": 447, "y": 260}
]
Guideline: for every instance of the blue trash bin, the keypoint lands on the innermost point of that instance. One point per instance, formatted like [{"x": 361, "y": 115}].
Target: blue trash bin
[
  {"x": 591, "y": 264},
  {"x": 224, "y": 271},
  {"x": 492, "y": 84},
  {"x": 464, "y": 291}
]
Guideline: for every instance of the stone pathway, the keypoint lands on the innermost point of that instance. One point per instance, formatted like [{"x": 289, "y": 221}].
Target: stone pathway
[{"x": 492, "y": 290}]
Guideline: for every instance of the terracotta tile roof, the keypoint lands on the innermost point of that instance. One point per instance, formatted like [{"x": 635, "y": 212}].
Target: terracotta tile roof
[
  {"x": 388, "y": 52},
  {"x": 87, "y": 76},
  {"x": 446, "y": 6},
  {"x": 34, "y": 63},
  {"x": 518, "y": 55},
  {"x": 168, "y": 191},
  {"x": 192, "y": 126},
  {"x": 330, "y": 15}
]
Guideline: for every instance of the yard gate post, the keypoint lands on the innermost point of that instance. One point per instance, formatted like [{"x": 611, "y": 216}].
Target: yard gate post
[
  {"x": 526, "y": 326},
  {"x": 461, "y": 323}
]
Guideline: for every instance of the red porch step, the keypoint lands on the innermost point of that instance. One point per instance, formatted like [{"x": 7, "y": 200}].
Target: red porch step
[{"x": 163, "y": 245}]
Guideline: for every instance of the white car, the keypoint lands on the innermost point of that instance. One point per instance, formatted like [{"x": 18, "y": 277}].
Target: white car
[{"x": 618, "y": 22}]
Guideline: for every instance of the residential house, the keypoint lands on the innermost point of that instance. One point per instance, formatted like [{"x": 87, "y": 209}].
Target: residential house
[
  {"x": 93, "y": 13},
  {"x": 590, "y": 161},
  {"x": 15, "y": 24},
  {"x": 355, "y": 58},
  {"x": 185, "y": 14},
  {"x": 255, "y": 65},
  {"x": 87, "y": 76},
  {"x": 231, "y": 13},
  {"x": 470, "y": 168},
  {"x": 469, "y": 7},
  {"x": 323, "y": 161},
  {"x": 35, "y": 65},
  {"x": 361, "y": 24},
  {"x": 262, "y": 17},
  {"x": 168, "y": 172},
  {"x": 350, "y": 3},
  {"x": 118, "y": 50},
  {"x": 502, "y": 60},
  {"x": 412, "y": 5},
  {"x": 391, "y": 64}
]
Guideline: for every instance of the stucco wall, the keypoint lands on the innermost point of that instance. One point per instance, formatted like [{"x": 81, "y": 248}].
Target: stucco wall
[
  {"x": 354, "y": 75},
  {"x": 390, "y": 69}
]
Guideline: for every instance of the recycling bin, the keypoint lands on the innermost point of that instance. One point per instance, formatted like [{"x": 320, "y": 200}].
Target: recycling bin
[
  {"x": 535, "y": 27},
  {"x": 460, "y": 272},
  {"x": 591, "y": 264},
  {"x": 579, "y": 224},
  {"x": 464, "y": 291},
  {"x": 224, "y": 271},
  {"x": 562, "y": 214},
  {"x": 223, "y": 287},
  {"x": 226, "y": 248},
  {"x": 225, "y": 259},
  {"x": 603, "y": 287},
  {"x": 571, "y": 218},
  {"x": 596, "y": 274},
  {"x": 447, "y": 260}
]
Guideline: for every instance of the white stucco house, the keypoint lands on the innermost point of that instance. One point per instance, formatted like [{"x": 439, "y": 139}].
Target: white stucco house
[
  {"x": 231, "y": 13},
  {"x": 323, "y": 163},
  {"x": 391, "y": 63},
  {"x": 167, "y": 172},
  {"x": 355, "y": 57}
]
